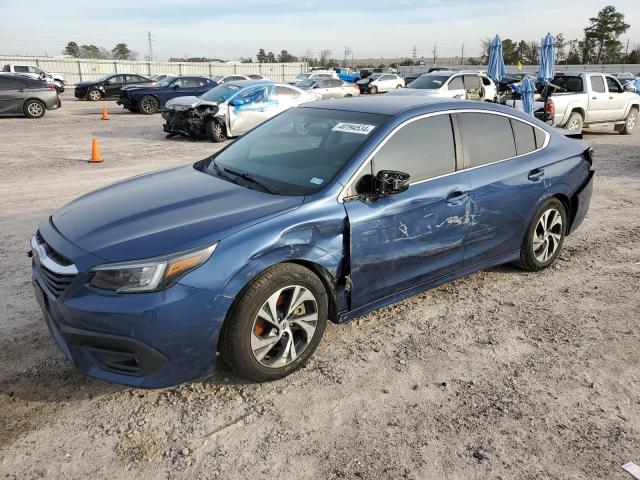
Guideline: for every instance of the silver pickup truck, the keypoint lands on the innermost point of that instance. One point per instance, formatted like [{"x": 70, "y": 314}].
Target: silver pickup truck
[{"x": 587, "y": 99}]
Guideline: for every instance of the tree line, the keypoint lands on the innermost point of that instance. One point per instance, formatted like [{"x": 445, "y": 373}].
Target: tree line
[
  {"x": 600, "y": 44},
  {"x": 119, "y": 52}
]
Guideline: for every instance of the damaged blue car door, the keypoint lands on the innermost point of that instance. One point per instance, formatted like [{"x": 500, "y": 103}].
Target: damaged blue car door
[{"x": 403, "y": 240}]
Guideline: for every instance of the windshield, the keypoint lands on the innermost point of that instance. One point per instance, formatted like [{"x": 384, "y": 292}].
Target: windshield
[
  {"x": 375, "y": 76},
  {"x": 303, "y": 76},
  {"x": 308, "y": 83},
  {"x": 166, "y": 82},
  {"x": 217, "y": 78},
  {"x": 429, "y": 82},
  {"x": 300, "y": 151},
  {"x": 221, "y": 93},
  {"x": 104, "y": 77}
]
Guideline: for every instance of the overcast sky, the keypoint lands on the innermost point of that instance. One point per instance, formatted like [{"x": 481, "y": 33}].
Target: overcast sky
[{"x": 239, "y": 28}]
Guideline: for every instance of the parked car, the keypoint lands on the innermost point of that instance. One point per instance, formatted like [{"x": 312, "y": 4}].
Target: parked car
[
  {"x": 365, "y": 72},
  {"x": 152, "y": 99},
  {"x": 347, "y": 74},
  {"x": 380, "y": 83},
  {"x": 230, "y": 109},
  {"x": 313, "y": 75},
  {"x": 255, "y": 76},
  {"x": 330, "y": 88},
  {"x": 252, "y": 250},
  {"x": 162, "y": 76},
  {"x": 58, "y": 86},
  {"x": 26, "y": 96},
  {"x": 450, "y": 84},
  {"x": 219, "y": 79},
  {"x": 630, "y": 83},
  {"x": 107, "y": 86},
  {"x": 588, "y": 99},
  {"x": 33, "y": 70}
]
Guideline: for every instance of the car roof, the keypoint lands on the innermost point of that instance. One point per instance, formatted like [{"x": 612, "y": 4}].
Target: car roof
[{"x": 393, "y": 105}]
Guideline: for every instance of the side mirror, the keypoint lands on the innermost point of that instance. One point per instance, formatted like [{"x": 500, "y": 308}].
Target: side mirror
[{"x": 389, "y": 182}]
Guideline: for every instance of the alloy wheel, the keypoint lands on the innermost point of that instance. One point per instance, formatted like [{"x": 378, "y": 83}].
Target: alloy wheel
[
  {"x": 149, "y": 105},
  {"x": 284, "y": 326},
  {"x": 548, "y": 234},
  {"x": 35, "y": 109},
  {"x": 631, "y": 121},
  {"x": 94, "y": 95}
]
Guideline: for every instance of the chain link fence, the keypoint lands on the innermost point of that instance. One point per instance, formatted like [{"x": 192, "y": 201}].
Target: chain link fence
[{"x": 82, "y": 70}]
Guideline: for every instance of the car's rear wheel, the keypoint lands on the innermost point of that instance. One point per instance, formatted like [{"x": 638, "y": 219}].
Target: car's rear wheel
[
  {"x": 215, "y": 130},
  {"x": 544, "y": 237},
  {"x": 630, "y": 122},
  {"x": 94, "y": 95},
  {"x": 373, "y": 90},
  {"x": 148, "y": 104},
  {"x": 347, "y": 95},
  {"x": 276, "y": 324},
  {"x": 575, "y": 122},
  {"x": 34, "y": 109}
]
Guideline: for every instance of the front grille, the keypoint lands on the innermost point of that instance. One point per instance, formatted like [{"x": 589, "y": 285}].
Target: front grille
[{"x": 56, "y": 281}]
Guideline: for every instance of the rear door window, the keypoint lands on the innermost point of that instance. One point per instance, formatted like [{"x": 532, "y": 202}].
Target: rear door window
[
  {"x": 486, "y": 138},
  {"x": 472, "y": 82},
  {"x": 597, "y": 84},
  {"x": 21, "y": 69},
  {"x": 424, "y": 149},
  {"x": 456, "y": 83},
  {"x": 525, "y": 137},
  {"x": 7, "y": 83}
]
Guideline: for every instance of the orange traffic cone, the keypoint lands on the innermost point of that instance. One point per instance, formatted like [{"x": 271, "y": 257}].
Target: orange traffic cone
[
  {"x": 96, "y": 156},
  {"x": 105, "y": 114}
]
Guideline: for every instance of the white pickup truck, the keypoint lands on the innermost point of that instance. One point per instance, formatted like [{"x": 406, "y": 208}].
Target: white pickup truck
[
  {"x": 588, "y": 99},
  {"x": 36, "y": 72}
]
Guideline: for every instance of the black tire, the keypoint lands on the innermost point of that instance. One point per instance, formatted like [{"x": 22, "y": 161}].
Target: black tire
[
  {"x": 34, "y": 109},
  {"x": 93, "y": 95},
  {"x": 347, "y": 95},
  {"x": 575, "y": 122},
  {"x": 215, "y": 130},
  {"x": 528, "y": 258},
  {"x": 148, "y": 105},
  {"x": 399, "y": 86},
  {"x": 630, "y": 122},
  {"x": 234, "y": 343},
  {"x": 373, "y": 90}
]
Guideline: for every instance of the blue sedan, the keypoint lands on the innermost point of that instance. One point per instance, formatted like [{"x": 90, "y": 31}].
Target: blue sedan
[
  {"x": 151, "y": 99},
  {"x": 323, "y": 213}
]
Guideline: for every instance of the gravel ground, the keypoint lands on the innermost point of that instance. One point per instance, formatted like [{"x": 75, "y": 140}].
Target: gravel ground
[{"x": 503, "y": 374}]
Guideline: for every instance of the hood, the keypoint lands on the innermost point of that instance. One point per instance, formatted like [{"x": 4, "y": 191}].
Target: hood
[
  {"x": 164, "y": 212},
  {"x": 182, "y": 103},
  {"x": 135, "y": 86},
  {"x": 85, "y": 84}
]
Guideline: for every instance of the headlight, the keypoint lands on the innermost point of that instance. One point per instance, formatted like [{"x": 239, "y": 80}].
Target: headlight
[{"x": 150, "y": 274}]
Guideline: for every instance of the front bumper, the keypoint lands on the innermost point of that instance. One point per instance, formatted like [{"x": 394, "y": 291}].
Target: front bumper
[
  {"x": 80, "y": 93},
  {"x": 126, "y": 101},
  {"x": 148, "y": 340}
]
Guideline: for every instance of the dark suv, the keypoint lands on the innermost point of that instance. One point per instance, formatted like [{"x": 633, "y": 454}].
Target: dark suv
[{"x": 108, "y": 86}]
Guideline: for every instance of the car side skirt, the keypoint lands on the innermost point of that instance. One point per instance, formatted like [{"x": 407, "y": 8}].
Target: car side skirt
[{"x": 396, "y": 297}]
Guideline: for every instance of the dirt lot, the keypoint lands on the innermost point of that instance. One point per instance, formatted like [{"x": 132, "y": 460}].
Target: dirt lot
[{"x": 503, "y": 374}]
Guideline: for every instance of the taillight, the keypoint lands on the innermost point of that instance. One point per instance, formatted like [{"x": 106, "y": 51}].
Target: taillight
[{"x": 549, "y": 108}]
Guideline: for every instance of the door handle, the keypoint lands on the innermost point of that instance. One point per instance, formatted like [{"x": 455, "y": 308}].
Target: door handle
[
  {"x": 457, "y": 197},
  {"x": 536, "y": 175},
  {"x": 594, "y": 98}
]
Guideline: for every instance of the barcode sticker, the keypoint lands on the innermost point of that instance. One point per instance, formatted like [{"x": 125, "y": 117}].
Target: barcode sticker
[{"x": 353, "y": 128}]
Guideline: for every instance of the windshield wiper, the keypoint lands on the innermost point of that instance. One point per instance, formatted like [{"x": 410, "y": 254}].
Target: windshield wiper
[{"x": 250, "y": 178}]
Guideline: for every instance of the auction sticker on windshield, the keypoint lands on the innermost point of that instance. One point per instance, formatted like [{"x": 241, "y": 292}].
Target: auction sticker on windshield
[{"x": 353, "y": 128}]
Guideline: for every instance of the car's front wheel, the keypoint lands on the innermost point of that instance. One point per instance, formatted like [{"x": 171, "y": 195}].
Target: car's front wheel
[
  {"x": 215, "y": 130},
  {"x": 544, "y": 237},
  {"x": 630, "y": 122},
  {"x": 34, "y": 109},
  {"x": 276, "y": 323},
  {"x": 373, "y": 90},
  {"x": 148, "y": 105},
  {"x": 94, "y": 95}
]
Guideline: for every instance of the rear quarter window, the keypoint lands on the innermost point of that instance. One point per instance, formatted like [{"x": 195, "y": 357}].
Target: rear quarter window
[{"x": 524, "y": 135}]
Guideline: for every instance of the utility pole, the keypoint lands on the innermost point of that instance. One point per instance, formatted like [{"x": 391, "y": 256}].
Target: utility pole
[
  {"x": 414, "y": 53},
  {"x": 347, "y": 52},
  {"x": 462, "y": 56},
  {"x": 626, "y": 55},
  {"x": 435, "y": 53},
  {"x": 150, "y": 46}
]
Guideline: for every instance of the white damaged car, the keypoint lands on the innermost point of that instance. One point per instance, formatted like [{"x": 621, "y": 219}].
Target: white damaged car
[
  {"x": 230, "y": 109},
  {"x": 464, "y": 85}
]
